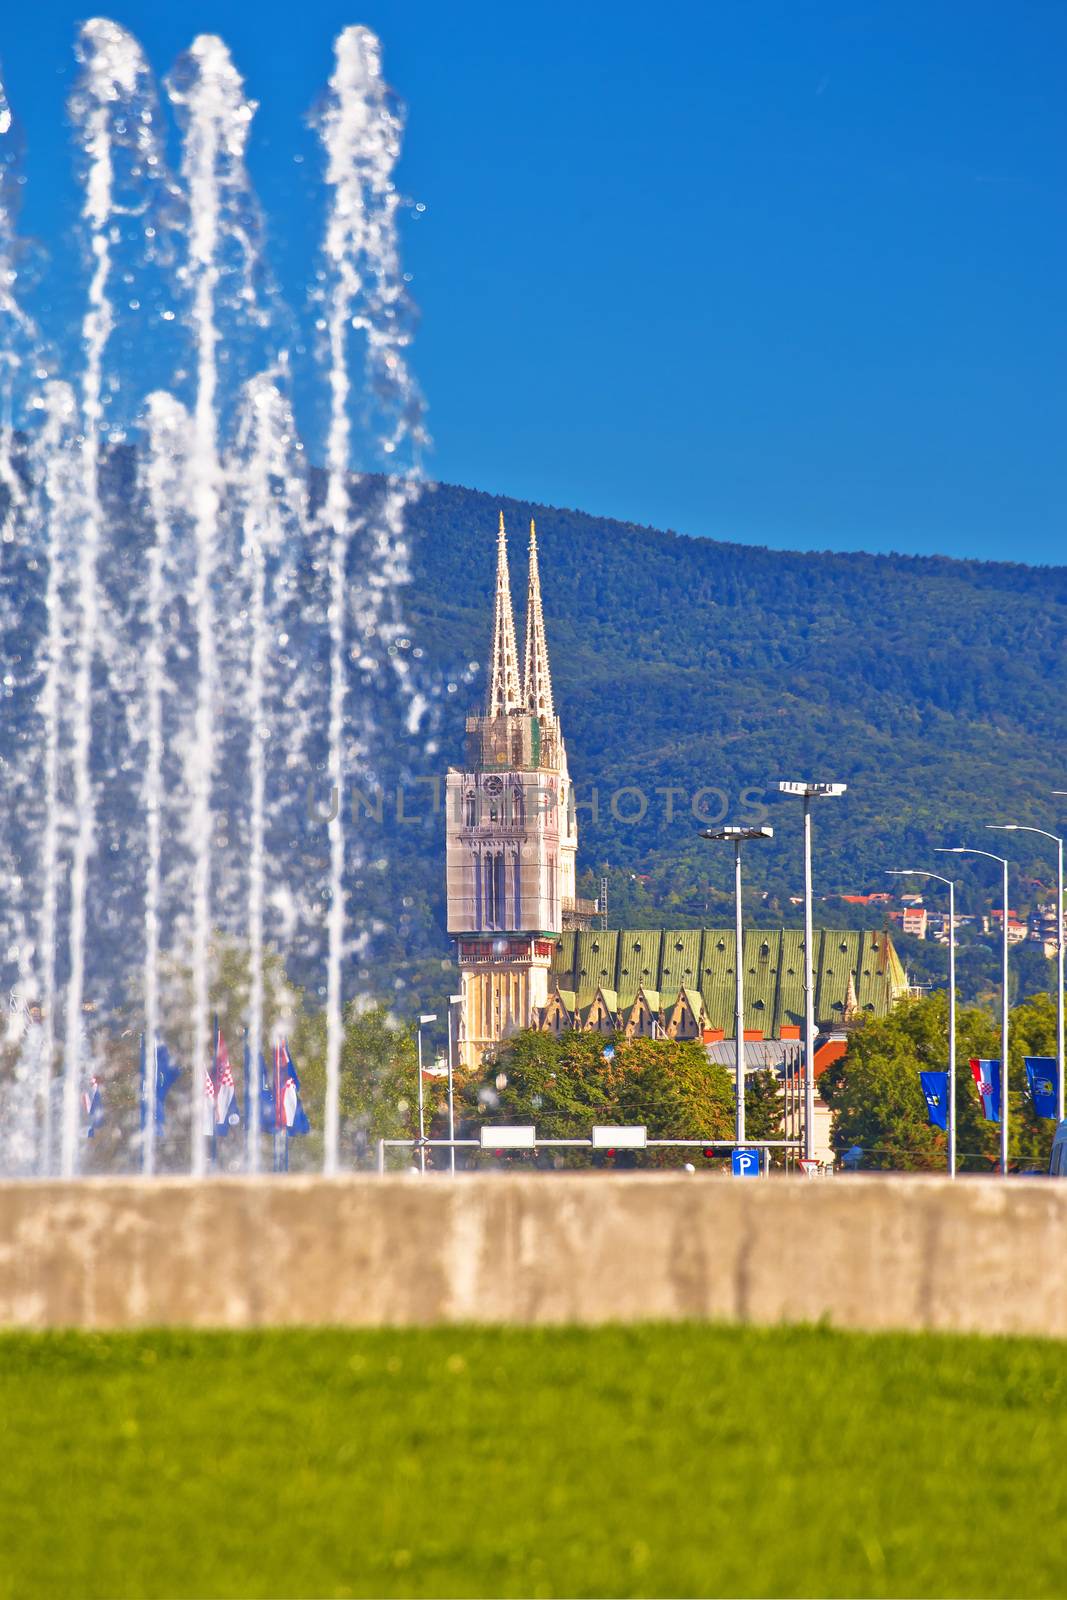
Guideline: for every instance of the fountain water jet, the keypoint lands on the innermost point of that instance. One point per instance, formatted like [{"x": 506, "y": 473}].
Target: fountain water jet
[
  {"x": 264, "y": 442},
  {"x": 360, "y": 131},
  {"x": 128, "y": 715},
  {"x": 60, "y": 503},
  {"x": 112, "y": 78},
  {"x": 168, "y": 436},
  {"x": 209, "y": 90}
]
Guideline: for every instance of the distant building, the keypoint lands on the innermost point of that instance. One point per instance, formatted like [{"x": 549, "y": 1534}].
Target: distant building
[
  {"x": 785, "y": 1058},
  {"x": 679, "y": 983},
  {"x": 914, "y": 921},
  {"x": 1017, "y": 928}
]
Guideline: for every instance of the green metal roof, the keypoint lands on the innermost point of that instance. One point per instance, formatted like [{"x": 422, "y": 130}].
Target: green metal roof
[{"x": 664, "y": 962}]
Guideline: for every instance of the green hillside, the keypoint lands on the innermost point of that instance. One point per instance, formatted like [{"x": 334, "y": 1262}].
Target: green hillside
[{"x": 934, "y": 688}]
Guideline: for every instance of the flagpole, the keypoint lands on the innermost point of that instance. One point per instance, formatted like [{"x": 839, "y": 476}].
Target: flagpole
[
  {"x": 215, "y": 1097},
  {"x": 919, "y": 872},
  {"x": 277, "y": 1106},
  {"x": 1018, "y": 827},
  {"x": 1005, "y": 1009},
  {"x": 144, "y": 1167},
  {"x": 951, "y": 1029}
]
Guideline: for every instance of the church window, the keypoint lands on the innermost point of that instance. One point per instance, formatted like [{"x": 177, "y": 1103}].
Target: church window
[
  {"x": 493, "y": 873},
  {"x": 499, "y": 864}
]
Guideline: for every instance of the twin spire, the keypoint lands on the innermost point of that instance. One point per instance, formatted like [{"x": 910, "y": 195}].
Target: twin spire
[{"x": 506, "y": 695}]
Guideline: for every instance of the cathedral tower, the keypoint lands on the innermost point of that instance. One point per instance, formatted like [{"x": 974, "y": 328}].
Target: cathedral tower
[{"x": 511, "y": 836}]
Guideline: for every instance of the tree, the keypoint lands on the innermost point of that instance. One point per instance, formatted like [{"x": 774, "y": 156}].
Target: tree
[
  {"x": 672, "y": 1087},
  {"x": 379, "y": 1082},
  {"x": 876, "y": 1099},
  {"x": 563, "y": 1086},
  {"x": 763, "y": 1106}
]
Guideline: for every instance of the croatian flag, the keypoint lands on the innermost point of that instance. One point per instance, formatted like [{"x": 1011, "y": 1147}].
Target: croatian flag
[
  {"x": 1042, "y": 1074},
  {"x": 289, "y": 1111},
  {"x": 93, "y": 1107},
  {"x": 227, "y": 1111},
  {"x": 986, "y": 1075},
  {"x": 935, "y": 1090},
  {"x": 209, "y": 1104}
]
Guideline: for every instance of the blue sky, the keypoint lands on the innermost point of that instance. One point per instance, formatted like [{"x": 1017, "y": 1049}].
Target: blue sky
[{"x": 787, "y": 273}]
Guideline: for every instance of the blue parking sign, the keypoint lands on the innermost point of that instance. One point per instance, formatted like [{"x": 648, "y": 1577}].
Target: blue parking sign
[{"x": 745, "y": 1163}]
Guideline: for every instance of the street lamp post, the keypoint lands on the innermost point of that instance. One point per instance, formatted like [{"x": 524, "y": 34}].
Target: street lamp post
[
  {"x": 1059, "y": 971},
  {"x": 430, "y": 1016},
  {"x": 454, "y": 1000},
  {"x": 809, "y": 792},
  {"x": 917, "y": 872},
  {"x": 965, "y": 850},
  {"x": 736, "y": 837},
  {"x": 1018, "y": 827}
]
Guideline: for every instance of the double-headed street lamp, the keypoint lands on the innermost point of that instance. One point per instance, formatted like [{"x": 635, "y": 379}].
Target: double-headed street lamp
[
  {"x": 1018, "y": 827},
  {"x": 917, "y": 872},
  {"x": 809, "y": 792},
  {"x": 737, "y": 837},
  {"x": 965, "y": 850}
]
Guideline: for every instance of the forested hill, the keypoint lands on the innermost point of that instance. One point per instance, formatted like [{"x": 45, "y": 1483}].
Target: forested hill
[{"x": 934, "y": 688}]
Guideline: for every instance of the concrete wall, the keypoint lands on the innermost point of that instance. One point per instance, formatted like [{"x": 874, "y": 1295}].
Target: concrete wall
[{"x": 866, "y": 1253}]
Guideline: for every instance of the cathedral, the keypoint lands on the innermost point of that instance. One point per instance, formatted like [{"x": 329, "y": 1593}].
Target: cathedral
[
  {"x": 528, "y": 954},
  {"x": 511, "y": 833}
]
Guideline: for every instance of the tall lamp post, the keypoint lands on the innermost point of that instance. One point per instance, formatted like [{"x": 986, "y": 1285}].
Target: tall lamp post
[
  {"x": 431, "y": 1016},
  {"x": 965, "y": 850},
  {"x": 737, "y": 837},
  {"x": 454, "y": 1000},
  {"x": 1019, "y": 828},
  {"x": 809, "y": 792},
  {"x": 917, "y": 872},
  {"x": 1059, "y": 960}
]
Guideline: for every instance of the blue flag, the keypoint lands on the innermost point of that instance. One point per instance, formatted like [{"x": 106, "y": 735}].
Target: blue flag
[
  {"x": 987, "y": 1076},
  {"x": 266, "y": 1092},
  {"x": 935, "y": 1089},
  {"x": 1042, "y": 1074},
  {"x": 166, "y": 1075}
]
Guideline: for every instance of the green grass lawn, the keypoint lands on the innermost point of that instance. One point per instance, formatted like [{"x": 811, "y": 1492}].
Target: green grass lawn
[{"x": 685, "y": 1460}]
